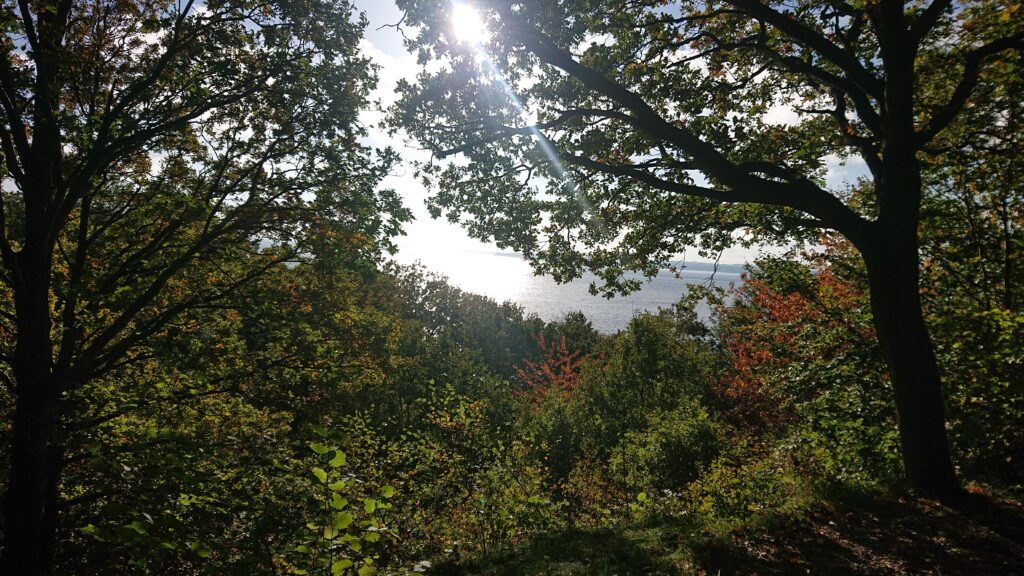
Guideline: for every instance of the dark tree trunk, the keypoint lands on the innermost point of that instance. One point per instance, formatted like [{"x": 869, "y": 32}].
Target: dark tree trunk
[
  {"x": 890, "y": 247},
  {"x": 28, "y": 518},
  {"x": 899, "y": 322},
  {"x": 29, "y": 504}
]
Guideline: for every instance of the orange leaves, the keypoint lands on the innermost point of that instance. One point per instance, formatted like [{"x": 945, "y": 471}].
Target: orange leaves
[
  {"x": 557, "y": 373},
  {"x": 781, "y": 323},
  {"x": 743, "y": 387}
]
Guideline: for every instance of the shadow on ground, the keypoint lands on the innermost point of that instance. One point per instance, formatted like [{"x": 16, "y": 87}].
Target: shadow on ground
[
  {"x": 570, "y": 553},
  {"x": 858, "y": 536}
]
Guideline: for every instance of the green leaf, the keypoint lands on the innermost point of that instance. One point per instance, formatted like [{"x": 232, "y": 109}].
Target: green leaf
[
  {"x": 342, "y": 520},
  {"x": 340, "y": 566},
  {"x": 369, "y": 505},
  {"x": 337, "y": 502},
  {"x": 320, "y": 474},
  {"x": 92, "y": 531},
  {"x": 338, "y": 460},
  {"x": 387, "y": 491},
  {"x": 319, "y": 448},
  {"x": 200, "y": 549},
  {"x": 641, "y": 497},
  {"x": 137, "y": 526},
  {"x": 368, "y": 571}
]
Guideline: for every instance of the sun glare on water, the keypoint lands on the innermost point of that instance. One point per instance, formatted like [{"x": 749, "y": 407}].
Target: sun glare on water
[{"x": 468, "y": 25}]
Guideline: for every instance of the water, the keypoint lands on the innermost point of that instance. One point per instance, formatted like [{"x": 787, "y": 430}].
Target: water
[{"x": 506, "y": 276}]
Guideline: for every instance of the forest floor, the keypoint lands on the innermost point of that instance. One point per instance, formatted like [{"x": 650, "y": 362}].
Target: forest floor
[{"x": 865, "y": 535}]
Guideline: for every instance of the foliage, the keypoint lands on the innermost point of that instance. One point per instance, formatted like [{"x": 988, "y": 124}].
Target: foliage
[
  {"x": 462, "y": 333},
  {"x": 612, "y": 136},
  {"x": 160, "y": 157},
  {"x": 349, "y": 523},
  {"x": 557, "y": 373},
  {"x": 972, "y": 270},
  {"x": 737, "y": 489},
  {"x": 582, "y": 122},
  {"x": 672, "y": 452},
  {"x": 806, "y": 366}
]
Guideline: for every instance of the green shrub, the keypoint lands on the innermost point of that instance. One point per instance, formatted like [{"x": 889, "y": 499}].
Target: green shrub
[
  {"x": 739, "y": 487},
  {"x": 670, "y": 453}
]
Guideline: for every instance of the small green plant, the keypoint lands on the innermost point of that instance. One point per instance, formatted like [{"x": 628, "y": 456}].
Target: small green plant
[{"x": 348, "y": 523}]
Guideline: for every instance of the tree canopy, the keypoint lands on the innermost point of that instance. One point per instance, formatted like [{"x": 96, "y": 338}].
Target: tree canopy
[
  {"x": 157, "y": 157},
  {"x": 612, "y": 135},
  {"x": 672, "y": 118}
]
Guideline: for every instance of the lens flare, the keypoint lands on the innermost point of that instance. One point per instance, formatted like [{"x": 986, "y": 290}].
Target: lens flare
[
  {"x": 468, "y": 25},
  {"x": 545, "y": 145}
]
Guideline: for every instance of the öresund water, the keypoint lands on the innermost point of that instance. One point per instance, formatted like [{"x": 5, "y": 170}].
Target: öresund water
[{"x": 506, "y": 276}]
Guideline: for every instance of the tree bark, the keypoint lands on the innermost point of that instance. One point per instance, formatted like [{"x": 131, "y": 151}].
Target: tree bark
[
  {"x": 29, "y": 527},
  {"x": 29, "y": 505},
  {"x": 899, "y": 323},
  {"x": 890, "y": 249}
]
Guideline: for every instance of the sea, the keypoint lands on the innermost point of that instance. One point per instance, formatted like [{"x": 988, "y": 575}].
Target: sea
[{"x": 506, "y": 276}]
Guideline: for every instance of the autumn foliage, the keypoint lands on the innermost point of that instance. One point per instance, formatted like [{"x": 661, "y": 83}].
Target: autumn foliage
[
  {"x": 558, "y": 371},
  {"x": 784, "y": 317}
]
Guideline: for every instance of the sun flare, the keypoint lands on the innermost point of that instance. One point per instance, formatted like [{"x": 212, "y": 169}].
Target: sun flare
[{"x": 468, "y": 25}]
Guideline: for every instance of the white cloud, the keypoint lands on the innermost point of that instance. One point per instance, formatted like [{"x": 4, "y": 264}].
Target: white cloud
[
  {"x": 844, "y": 172},
  {"x": 781, "y": 115}
]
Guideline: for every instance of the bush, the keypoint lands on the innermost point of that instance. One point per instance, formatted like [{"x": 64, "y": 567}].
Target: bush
[
  {"x": 670, "y": 453},
  {"x": 737, "y": 487}
]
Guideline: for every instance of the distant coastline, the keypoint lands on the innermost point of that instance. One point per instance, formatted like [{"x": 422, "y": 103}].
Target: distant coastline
[
  {"x": 697, "y": 265},
  {"x": 506, "y": 276}
]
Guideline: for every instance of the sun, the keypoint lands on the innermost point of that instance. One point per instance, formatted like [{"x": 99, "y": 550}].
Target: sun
[{"x": 468, "y": 25}]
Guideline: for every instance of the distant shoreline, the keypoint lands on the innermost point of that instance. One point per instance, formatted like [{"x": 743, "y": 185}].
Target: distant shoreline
[{"x": 697, "y": 266}]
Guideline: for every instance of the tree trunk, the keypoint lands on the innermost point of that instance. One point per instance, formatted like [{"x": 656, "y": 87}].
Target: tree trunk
[
  {"x": 28, "y": 537},
  {"x": 890, "y": 247},
  {"x": 899, "y": 322},
  {"x": 29, "y": 503}
]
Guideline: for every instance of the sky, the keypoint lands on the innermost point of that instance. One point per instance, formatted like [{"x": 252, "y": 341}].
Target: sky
[{"x": 436, "y": 243}]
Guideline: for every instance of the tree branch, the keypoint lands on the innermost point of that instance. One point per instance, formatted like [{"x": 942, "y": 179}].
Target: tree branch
[
  {"x": 506, "y": 131},
  {"x": 927, "y": 20},
  {"x": 972, "y": 69},
  {"x": 792, "y": 27},
  {"x": 803, "y": 196}
]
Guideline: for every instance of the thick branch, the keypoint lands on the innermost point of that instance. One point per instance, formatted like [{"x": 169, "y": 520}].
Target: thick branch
[
  {"x": 861, "y": 102},
  {"x": 15, "y": 122},
  {"x": 792, "y": 27},
  {"x": 929, "y": 18},
  {"x": 804, "y": 196},
  {"x": 972, "y": 69}
]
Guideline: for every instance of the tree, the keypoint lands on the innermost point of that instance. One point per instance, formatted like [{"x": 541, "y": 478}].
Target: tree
[
  {"x": 610, "y": 135},
  {"x": 807, "y": 372},
  {"x": 157, "y": 157},
  {"x": 557, "y": 372},
  {"x": 972, "y": 273}
]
